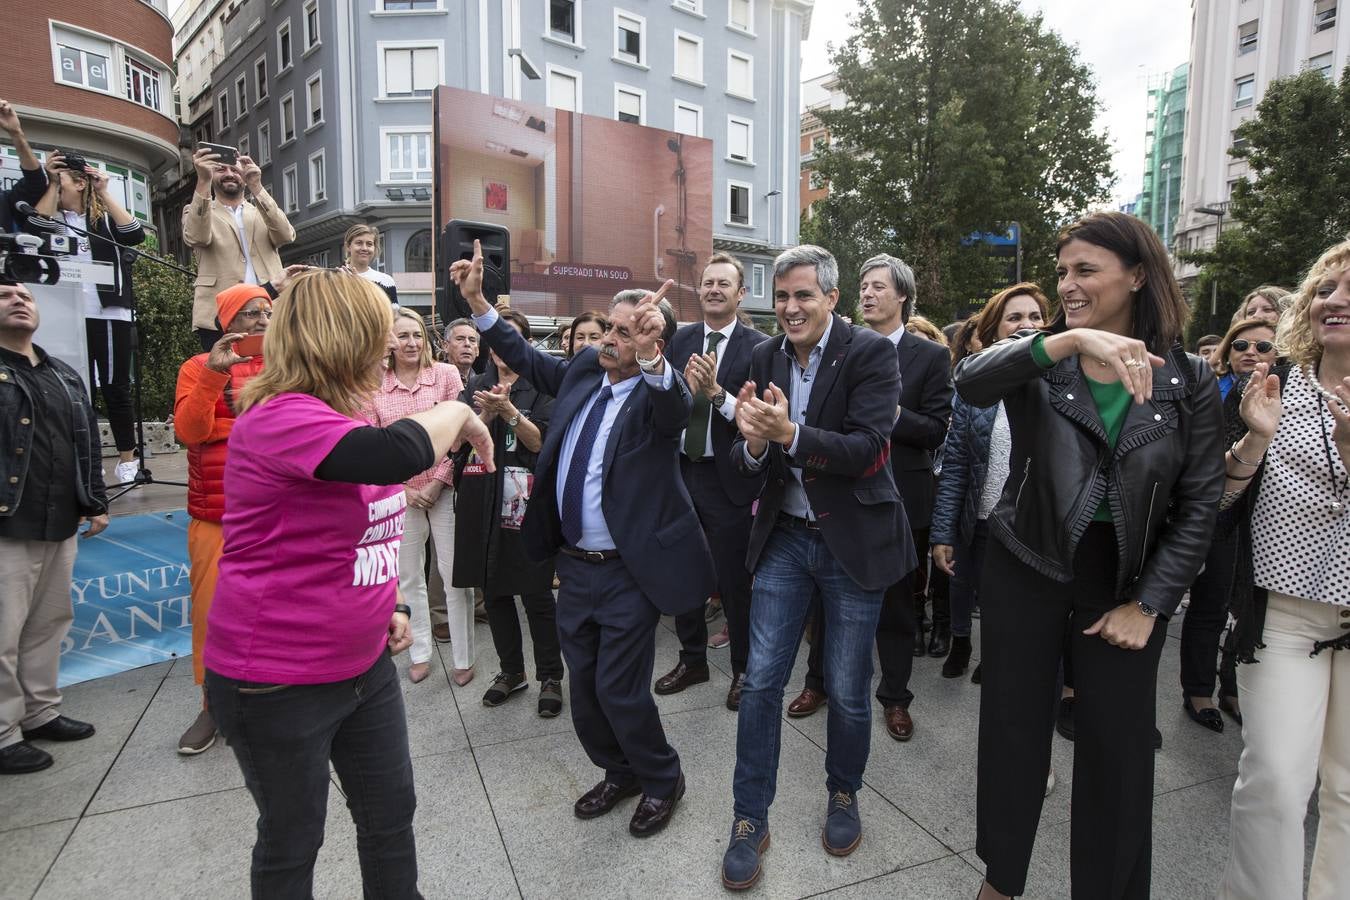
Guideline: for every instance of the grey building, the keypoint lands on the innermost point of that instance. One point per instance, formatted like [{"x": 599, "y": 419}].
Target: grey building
[{"x": 333, "y": 99}]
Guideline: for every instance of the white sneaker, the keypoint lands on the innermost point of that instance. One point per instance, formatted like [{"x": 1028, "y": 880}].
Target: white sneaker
[
  {"x": 125, "y": 473},
  {"x": 1050, "y": 783}
]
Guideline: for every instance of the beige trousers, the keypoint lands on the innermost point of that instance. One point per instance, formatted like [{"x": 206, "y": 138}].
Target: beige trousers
[
  {"x": 35, "y": 614},
  {"x": 1296, "y": 727}
]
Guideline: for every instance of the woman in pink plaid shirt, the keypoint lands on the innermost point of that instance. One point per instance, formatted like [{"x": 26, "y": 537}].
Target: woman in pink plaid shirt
[{"x": 414, "y": 382}]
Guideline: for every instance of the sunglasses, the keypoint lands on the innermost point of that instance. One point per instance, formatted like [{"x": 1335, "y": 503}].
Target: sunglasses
[{"x": 1241, "y": 345}]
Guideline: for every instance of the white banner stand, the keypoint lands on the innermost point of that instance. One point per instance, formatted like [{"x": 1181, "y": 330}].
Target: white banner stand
[{"x": 61, "y": 312}]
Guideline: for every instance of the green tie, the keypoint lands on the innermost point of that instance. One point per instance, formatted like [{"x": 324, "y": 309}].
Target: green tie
[{"x": 696, "y": 435}]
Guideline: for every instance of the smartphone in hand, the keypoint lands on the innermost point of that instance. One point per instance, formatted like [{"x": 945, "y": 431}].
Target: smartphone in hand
[
  {"x": 249, "y": 345},
  {"x": 228, "y": 156}
]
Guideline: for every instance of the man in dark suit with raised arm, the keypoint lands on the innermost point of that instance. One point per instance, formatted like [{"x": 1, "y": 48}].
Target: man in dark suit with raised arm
[
  {"x": 608, "y": 500},
  {"x": 887, "y": 300},
  {"x": 715, "y": 357},
  {"x": 829, "y": 524}
]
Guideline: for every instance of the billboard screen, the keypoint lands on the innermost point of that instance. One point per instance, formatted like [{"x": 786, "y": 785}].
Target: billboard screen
[{"x": 594, "y": 205}]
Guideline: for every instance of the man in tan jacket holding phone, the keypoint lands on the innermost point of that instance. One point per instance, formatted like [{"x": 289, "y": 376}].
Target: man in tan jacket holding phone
[{"x": 235, "y": 242}]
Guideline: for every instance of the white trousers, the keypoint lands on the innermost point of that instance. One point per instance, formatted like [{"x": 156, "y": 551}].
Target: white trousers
[
  {"x": 1296, "y": 726},
  {"x": 439, "y": 522}
]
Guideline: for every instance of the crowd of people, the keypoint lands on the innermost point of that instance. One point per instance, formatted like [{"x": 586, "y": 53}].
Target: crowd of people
[{"x": 1065, "y": 471}]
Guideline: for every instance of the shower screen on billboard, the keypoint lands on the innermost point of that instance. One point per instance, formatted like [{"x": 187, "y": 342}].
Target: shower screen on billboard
[{"x": 594, "y": 205}]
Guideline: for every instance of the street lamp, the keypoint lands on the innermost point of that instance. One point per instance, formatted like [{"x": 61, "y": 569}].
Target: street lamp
[{"x": 1217, "y": 210}]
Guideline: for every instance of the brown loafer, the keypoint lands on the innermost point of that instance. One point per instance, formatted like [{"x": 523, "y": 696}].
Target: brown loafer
[
  {"x": 898, "y": 723},
  {"x": 734, "y": 692},
  {"x": 653, "y": 814},
  {"x": 604, "y": 797},
  {"x": 441, "y": 632},
  {"x": 807, "y": 702},
  {"x": 681, "y": 677}
]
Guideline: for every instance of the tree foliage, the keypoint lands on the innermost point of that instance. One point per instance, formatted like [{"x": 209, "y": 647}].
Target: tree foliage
[
  {"x": 166, "y": 339},
  {"x": 1293, "y": 205},
  {"x": 963, "y": 116}
]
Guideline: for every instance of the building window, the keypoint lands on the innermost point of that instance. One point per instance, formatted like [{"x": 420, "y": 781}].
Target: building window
[
  {"x": 741, "y": 14},
  {"x": 222, "y": 111},
  {"x": 757, "y": 280},
  {"x": 264, "y": 144},
  {"x": 314, "y": 97},
  {"x": 738, "y": 203},
  {"x": 1322, "y": 65},
  {"x": 411, "y": 5},
  {"x": 311, "y": 24},
  {"x": 564, "y": 89},
  {"x": 1238, "y": 142},
  {"x": 693, "y": 6},
  {"x": 142, "y": 83},
  {"x": 240, "y": 96},
  {"x": 1247, "y": 37},
  {"x": 417, "y": 252},
  {"x": 411, "y": 71},
  {"x": 688, "y": 118},
  {"x": 630, "y": 38},
  {"x": 290, "y": 189},
  {"x": 260, "y": 78},
  {"x": 688, "y": 57},
  {"x": 1324, "y": 15},
  {"x": 739, "y": 143},
  {"x": 562, "y": 20},
  {"x": 1244, "y": 91},
  {"x": 630, "y": 104},
  {"x": 318, "y": 185},
  {"x": 287, "y": 119},
  {"x": 83, "y": 61},
  {"x": 740, "y": 75},
  {"x": 284, "y": 46},
  {"x": 407, "y": 156},
  {"x": 243, "y": 145}
]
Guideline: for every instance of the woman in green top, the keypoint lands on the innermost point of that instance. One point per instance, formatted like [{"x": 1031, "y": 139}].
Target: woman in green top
[{"x": 1115, "y": 475}]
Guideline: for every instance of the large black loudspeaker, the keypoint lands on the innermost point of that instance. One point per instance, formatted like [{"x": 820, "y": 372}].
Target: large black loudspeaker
[{"x": 457, "y": 243}]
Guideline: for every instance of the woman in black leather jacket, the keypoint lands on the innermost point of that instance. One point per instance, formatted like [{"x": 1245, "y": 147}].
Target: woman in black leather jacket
[{"x": 1115, "y": 476}]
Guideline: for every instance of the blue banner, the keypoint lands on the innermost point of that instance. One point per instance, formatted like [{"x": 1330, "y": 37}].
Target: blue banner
[{"x": 131, "y": 596}]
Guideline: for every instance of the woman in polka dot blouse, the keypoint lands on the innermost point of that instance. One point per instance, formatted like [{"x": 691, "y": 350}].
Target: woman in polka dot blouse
[{"x": 1289, "y": 493}]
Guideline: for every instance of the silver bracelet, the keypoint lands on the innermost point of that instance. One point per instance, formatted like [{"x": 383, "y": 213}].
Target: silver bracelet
[{"x": 1232, "y": 451}]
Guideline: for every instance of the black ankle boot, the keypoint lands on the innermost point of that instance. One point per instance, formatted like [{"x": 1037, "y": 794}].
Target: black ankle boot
[
  {"x": 958, "y": 658},
  {"x": 941, "y": 642}
]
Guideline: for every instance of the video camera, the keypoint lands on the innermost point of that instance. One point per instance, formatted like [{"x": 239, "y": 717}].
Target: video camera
[{"x": 32, "y": 259}]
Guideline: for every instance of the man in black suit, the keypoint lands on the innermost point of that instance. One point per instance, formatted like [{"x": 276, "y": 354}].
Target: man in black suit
[
  {"x": 887, "y": 295},
  {"x": 829, "y": 524},
  {"x": 715, "y": 358},
  {"x": 607, "y": 500}
]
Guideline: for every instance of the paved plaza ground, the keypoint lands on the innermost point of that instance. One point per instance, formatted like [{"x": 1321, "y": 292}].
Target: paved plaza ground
[{"x": 122, "y": 815}]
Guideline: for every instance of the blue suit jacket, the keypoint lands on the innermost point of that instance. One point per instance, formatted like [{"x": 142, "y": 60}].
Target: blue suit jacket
[
  {"x": 844, "y": 453},
  {"x": 646, "y": 505},
  {"x": 734, "y": 370}
]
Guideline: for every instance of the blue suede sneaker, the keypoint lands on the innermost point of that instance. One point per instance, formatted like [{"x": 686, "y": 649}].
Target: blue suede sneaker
[
  {"x": 740, "y": 864},
  {"x": 843, "y": 829}
]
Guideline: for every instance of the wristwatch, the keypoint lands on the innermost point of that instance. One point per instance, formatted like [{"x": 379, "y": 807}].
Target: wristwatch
[
  {"x": 514, "y": 420},
  {"x": 1146, "y": 609},
  {"x": 403, "y": 608},
  {"x": 719, "y": 398}
]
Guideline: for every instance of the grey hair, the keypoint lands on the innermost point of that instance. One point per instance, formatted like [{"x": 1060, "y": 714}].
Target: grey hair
[
  {"x": 635, "y": 296},
  {"x": 820, "y": 259},
  {"x": 450, "y": 329},
  {"x": 902, "y": 279}
]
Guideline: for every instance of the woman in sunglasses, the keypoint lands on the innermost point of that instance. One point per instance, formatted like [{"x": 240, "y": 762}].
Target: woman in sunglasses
[{"x": 1247, "y": 343}]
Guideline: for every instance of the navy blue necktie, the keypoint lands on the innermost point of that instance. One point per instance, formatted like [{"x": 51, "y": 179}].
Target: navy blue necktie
[{"x": 575, "y": 485}]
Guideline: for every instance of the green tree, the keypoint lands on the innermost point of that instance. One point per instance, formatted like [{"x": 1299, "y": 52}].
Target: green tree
[
  {"x": 1292, "y": 206},
  {"x": 963, "y": 116},
  {"x": 166, "y": 339}
]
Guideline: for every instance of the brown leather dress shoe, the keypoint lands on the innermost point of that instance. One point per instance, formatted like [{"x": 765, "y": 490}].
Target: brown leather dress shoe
[
  {"x": 898, "y": 723},
  {"x": 604, "y": 797},
  {"x": 681, "y": 677},
  {"x": 652, "y": 814},
  {"x": 734, "y": 693},
  {"x": 807, "y": 702},
  {"x": 441, "y": 632}
]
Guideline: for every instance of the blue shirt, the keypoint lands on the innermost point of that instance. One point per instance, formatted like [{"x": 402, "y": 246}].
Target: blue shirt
[
  {"x": 594, "y": 530},
  {"x": 799, "y": 398}
]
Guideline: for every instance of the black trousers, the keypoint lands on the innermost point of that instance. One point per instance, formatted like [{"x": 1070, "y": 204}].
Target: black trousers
[
  {"x": 930, "y": 583},
  {"x": 1024, "y": 619},
  {"x": 1203, "y": 622},
  {"x": 895, "y": 645},
  {"x": 607, "y": 627},
  {"x": 727, "y": 527},
  {"x": 110, "y": 344},
  {"x": 541, "y": 615}
]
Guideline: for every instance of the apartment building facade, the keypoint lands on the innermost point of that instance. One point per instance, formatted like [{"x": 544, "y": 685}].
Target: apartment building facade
[
  {"x": 1237, "y": 48},
  {"x": 1164, "y": 138},
  {"x": 819, "y": 93}
]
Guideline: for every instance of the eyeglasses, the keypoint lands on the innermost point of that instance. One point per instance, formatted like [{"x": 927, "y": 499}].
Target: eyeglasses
[
  {"x": 1241, "y": 345},
  {"x": 254, "y": 315}
]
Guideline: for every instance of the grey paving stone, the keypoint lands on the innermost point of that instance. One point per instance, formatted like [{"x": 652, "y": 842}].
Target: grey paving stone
[
  {"x": 113, "y": 705},
  {"x": 27, "y": 853},
  {"x": 941, "y": 879},
  {"x": 459, "y": 850},
  {"x": 434, "y": 724}
]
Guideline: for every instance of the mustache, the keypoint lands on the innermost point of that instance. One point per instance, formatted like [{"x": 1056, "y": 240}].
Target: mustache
[{"x": 611, "y": 352}]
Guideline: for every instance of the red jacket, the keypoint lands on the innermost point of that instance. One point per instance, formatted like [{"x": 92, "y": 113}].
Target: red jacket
[{"x": 203, "y": 415}]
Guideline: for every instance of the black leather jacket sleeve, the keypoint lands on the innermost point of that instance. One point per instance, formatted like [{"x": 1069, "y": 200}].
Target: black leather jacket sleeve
[{"x": 984, "y": 378}]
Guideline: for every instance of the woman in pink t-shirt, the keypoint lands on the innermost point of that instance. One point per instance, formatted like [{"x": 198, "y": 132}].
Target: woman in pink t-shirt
[{"x": 306, "y": 612}]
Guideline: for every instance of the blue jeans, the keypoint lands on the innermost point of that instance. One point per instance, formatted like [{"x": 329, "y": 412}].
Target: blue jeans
[
  {"x": 284, "y": 737},
  {"x": 794, "y": 568}
]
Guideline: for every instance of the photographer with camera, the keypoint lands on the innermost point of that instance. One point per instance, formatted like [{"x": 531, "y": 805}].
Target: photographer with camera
[
  {"x": 77, "y": 195},
  {"x": 218, "y": 222},
  {"x": 34, "y": 182}
]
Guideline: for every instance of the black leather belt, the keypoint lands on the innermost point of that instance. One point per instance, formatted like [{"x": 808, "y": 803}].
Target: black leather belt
[
  {"x": 797, "y": 522},
  {"x": 590, "y": 556}
]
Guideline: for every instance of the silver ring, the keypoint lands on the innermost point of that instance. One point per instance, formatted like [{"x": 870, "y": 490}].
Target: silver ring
[{"x": 1133, "y": 363}]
